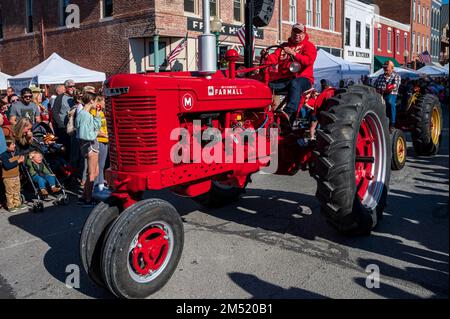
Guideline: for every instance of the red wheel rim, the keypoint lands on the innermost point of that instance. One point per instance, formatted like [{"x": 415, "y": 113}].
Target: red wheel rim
[
  {"x": 150, "y": 251},
  {"x": 363, "y": 170}
]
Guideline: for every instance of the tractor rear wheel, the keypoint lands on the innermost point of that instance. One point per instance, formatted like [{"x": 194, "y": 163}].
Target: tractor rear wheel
[
  {"x": 353, "y": 160},
  {"x": 142, "y": 249},
  {"x": 92, "y": 238},
  {"x": 427, "y": 117},
  {"x": 398, "y": 142},
  {"x": 219, "y": 195}
]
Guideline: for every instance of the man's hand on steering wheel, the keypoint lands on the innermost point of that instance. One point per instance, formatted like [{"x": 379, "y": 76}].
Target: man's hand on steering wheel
[{"x": 289, "y": 51}]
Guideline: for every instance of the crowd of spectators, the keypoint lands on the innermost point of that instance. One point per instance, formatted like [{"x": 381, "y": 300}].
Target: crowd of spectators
[{"x": 74, "y": 118}]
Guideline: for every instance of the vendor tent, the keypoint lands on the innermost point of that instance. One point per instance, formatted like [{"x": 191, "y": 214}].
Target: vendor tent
[
  {"x": 433, "y": 70},
  {"x": 55, "y": 70},
  {"x": 4, "y": 81},
  {"x": 403, "y": 72},
  {"x": 334, "y": 69}
]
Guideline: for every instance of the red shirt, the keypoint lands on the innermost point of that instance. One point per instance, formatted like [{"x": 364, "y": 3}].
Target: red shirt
[{"x": 306, "y": 54}]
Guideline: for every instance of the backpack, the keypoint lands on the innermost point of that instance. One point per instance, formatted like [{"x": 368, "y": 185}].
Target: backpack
[{"x": 70, "y": 128}]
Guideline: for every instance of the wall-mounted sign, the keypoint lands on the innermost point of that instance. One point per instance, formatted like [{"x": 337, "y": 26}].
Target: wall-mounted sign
[{"x": 227, "y": 29}]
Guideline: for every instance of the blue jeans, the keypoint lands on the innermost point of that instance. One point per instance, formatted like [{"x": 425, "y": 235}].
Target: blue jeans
[
  {"x": 391, "y": 101},
  {"x": 296, "y": 88},
  {"x": 102, "y": 154},
  {"x": 41, "y": 180}
]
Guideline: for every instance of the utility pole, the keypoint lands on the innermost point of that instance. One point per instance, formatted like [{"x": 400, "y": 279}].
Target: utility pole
[{"x": 248, "y": 49}]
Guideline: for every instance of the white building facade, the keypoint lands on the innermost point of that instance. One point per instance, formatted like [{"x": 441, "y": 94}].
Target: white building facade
[{"x": 358, "y": 32}]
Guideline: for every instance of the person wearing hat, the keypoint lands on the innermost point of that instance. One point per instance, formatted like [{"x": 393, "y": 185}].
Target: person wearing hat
[
  {"x": 298, "y": 48},
  {"x": 387, "y": 84}
]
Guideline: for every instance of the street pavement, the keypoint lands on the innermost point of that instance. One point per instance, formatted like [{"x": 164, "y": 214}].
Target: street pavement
[{"x": 273, "y": 243}]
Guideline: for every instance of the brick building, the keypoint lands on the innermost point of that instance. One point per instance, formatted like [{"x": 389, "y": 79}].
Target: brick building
[
  {"x": 416, "y": 13},
  {"x": 391, "y": 41},
  {"x": 121, "y": 35},
  {"x": 445, "y": 35}
]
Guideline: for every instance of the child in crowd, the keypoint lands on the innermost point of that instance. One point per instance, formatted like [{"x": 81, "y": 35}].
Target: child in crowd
[
  {"x": 10, "y": 161},
  {"x": 40, "y": 173}
]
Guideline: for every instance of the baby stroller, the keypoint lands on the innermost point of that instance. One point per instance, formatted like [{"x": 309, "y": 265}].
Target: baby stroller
[
  {"x": 58, "y": 197},
  {"x": 45, "y": 140}
]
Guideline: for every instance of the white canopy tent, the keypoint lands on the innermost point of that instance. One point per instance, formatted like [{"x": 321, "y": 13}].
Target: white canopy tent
[
  {"x": 446, "y": 67},
  {"x": 55, "y": 70},
  {"x": 404, "y": 73},
  {"x": 334, "y": 69},
  {"x": 433, "y": 70},
  {"x": 4, "y": 80}
]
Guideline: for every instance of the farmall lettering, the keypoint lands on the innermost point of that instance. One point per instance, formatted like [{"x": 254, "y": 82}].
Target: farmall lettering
[{"x": 224, "y": 91}]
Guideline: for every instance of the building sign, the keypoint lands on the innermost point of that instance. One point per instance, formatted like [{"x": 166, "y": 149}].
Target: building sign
[
  {"x": 227, "y": 29},
  {"x": 358, "y": 54}
]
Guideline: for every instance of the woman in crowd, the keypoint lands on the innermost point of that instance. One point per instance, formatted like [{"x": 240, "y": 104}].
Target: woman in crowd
[
  {"x": 23, "y": 134},
  {"x": 87, "y": 127},
  {"x": 102, "y": 139}
]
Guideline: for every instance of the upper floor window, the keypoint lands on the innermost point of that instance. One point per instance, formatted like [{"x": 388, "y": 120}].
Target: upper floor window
[
  {"x": 367, "y": 36},
  {"x": 358, "y": 34},
  {"x": 418, "y": 12},
  {"x": 332, "y": 14},
  {"x": 397, "y": 42},
  {"x": 423, "y": 15},
  {"x": 389, "y": 41},
  {"x": 413, "y": 39},
  {"x": 238, "y": 10},
  {"x": 428, "y": 17},
  {"x": 293, "y": 11},
  {"x": 190, "y": 6},
  {"x": 213, "y": 7},
  {"x": 414, "y": 10},
  {"x": 107, "y": 8},
  {"x": 379, "y": 39},
  {"x": 405, "y": 42},
  {"x": 347, "y": 31},
  {"x": 309, "y": 6},
  {"x": 318, "y": 13},
  {"x": 29, "y": 16}
]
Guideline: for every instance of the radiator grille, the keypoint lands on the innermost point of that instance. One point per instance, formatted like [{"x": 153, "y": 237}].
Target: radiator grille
[{"x": 132, "y": 132}]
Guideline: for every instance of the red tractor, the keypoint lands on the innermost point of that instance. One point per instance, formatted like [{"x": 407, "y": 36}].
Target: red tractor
[{"x": 161, "y": 125}]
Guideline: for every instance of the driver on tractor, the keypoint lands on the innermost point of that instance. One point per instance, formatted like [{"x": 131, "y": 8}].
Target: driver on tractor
[
  {"x": 299, "y": 49},
  {"x": 387, "y": 84}
]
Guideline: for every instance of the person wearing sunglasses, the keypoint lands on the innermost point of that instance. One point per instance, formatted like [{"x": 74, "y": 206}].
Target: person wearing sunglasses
[{"x": 25, "y": 108}]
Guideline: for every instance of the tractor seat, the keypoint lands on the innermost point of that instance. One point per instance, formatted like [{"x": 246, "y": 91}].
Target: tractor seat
[{"x": 280, "y": 87}]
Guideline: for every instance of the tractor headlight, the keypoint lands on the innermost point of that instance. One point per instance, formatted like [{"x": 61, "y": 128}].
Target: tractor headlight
[{"x": 294, "y": 67}]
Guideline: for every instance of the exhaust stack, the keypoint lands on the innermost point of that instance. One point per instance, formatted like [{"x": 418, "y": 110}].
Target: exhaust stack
[{"x": 207, "y": 57}]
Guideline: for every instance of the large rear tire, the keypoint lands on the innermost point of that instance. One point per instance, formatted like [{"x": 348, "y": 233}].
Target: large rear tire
[
  {"x": 142, "y": 249},
  {"x": 427, "y": 117},
  {"x": 353, "y": 160}
]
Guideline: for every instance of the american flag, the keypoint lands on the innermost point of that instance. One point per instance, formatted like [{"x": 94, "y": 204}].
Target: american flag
[
  {"x": 425, "y": 57},
  {"x": 241, "y": 36},
  {"x": 175, "y": 52}
]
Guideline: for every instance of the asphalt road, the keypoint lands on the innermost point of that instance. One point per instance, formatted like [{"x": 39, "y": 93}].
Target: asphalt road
[{"x": 273, "y": 243}]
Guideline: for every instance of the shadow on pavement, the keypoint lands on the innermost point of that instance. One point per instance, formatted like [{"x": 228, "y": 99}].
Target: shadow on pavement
[{"x": 260, "y": 289}]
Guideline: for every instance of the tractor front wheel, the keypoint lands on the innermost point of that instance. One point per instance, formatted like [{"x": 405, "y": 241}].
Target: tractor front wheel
[
  {"x": 353, "y": 160},
  {"x": 398, "y": 142},
  {"x": 93, "y": 236},
  {"x": 142, "y": 249}
]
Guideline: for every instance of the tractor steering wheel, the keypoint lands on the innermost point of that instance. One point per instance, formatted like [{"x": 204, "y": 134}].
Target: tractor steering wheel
[{"x": 263, "y": 58}]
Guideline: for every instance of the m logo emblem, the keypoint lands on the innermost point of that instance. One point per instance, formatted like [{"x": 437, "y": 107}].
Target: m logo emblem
[
  {"x": 187, "y": 101},
  {"x": 210, "y": 90}
]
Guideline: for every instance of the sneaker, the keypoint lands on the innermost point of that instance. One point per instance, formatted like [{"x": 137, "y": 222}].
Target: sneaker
[
  {"x": 55, "y": 189},
  {"x": 303, "y": 142},
  {"x": 102, "y": 195},
  {"x": 44, "y": 192}
]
